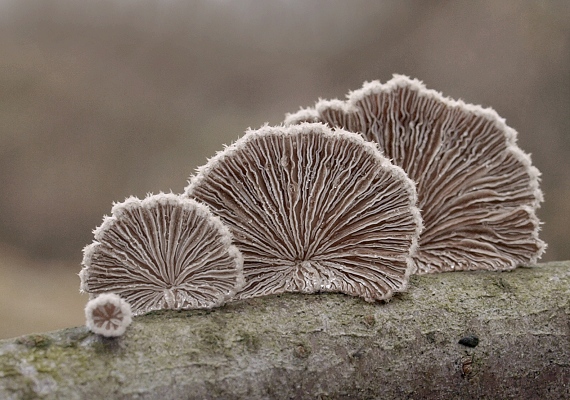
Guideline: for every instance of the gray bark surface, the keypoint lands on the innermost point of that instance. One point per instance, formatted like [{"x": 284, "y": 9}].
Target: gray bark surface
[{"x": 325, "y": 346}]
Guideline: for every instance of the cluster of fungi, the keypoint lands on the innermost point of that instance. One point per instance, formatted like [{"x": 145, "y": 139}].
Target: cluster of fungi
[{"x": 348, "y": 196}]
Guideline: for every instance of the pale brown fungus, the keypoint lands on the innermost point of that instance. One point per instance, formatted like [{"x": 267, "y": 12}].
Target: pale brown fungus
[
  {"x": 163, "y": 252},
  {"x": 108, "y": 315},
  {"x": 313, "y": 209},
  {"x": 477, "y": 190}
]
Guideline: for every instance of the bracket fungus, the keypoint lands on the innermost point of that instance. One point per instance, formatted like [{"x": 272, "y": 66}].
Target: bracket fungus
[
  {"x": 163, "y": 252},
  {"x": 477, "y": 190},
  {"x": 108, "y": 315},
  {"x": 313, "y": 209}
]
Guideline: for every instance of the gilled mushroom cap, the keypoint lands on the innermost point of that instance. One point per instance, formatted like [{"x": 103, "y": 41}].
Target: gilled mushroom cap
[
  {"x": 108, "y": 315},
  {"x": 477, "y": 190},
  {"x": 313, "y": 209},
  {"x": 163, "y": 252}
]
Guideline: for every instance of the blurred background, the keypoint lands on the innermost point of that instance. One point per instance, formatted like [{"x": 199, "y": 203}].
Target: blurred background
[{"x": 104, "y": 99}]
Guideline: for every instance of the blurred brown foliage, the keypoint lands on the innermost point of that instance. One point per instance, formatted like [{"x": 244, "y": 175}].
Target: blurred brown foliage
[{"x": 104, "y": 99}]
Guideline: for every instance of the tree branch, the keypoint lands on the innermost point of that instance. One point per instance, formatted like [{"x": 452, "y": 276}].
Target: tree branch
[{"x": 323, "y": 346}]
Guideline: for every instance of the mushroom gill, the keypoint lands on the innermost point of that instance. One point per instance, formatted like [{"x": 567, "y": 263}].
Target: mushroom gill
[
  {"x": 312, "y": 209},
  {"x": 477, "y": 190},
  {"x": 163, "y": 252}
]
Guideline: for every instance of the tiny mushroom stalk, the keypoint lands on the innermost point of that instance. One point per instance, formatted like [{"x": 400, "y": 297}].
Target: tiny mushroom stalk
[
  {"x": 108, "y": 315},
  {"x": 313, "y": 209},
  {"x": 163, "y": 252},
  {"x": 477, "y": 190}
]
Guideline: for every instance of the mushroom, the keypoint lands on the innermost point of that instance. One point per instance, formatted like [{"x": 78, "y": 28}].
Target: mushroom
[
  {"x": 108, "y": 315},
  {"x": 163, "y": 252},
  {"x": 313, "y": 209},
  {"x": 477, "y": 190}
]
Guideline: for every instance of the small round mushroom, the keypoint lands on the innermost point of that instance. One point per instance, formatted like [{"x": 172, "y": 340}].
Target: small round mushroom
[
  {"x": 313, "y": 209},
  {"x": 163, "y": 252},
  {"x": 108, "y": 315},
  {"x": 477, "y": 190}
]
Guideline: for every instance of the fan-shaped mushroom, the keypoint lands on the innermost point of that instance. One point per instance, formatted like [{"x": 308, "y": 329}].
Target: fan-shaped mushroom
[
  {"x": 108, "y": 315},
  {"x": 313, "y": 210},
  {"x": 477, "y": 190},
  {"x": 163, "y": 252}
]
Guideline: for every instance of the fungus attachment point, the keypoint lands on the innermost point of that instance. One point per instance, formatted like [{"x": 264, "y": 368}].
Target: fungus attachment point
[
  {"x": 163, "y": 252},
  {"x": 477, "y": 190},
  {"x": 313, "y": 209},
  {"x": 108, "y": 315}
]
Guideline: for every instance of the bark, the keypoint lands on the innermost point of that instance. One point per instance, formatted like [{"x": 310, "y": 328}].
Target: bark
[{"x": 323, "y": 346}]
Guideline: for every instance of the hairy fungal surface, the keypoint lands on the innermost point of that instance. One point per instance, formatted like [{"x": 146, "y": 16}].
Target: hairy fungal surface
[
  {"x": 477, "y": 190},
  {"x": 163, "y": 252},
  {"x": 313, "y": 209},
  {"x": 108, "y": 315}
]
